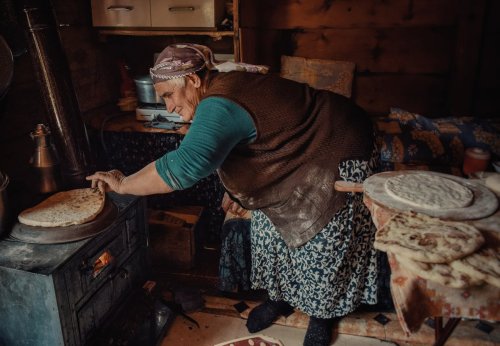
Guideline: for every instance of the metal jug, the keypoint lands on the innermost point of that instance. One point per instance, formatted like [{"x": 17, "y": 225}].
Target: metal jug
[{"x": 45, "y": 161}]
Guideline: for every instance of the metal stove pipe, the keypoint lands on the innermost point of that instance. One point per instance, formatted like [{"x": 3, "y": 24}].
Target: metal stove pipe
[{"x": 53, "y": 76}]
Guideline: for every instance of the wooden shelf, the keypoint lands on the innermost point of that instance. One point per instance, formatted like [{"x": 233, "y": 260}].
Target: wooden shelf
[
  {"x": 216, "y": 35},
  {"x": 134, "y": 32}
]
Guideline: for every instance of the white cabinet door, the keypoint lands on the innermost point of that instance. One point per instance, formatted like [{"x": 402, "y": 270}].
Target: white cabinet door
[
  {"x": 205, "y": 14},
  {"x": 121, "y": 13}
]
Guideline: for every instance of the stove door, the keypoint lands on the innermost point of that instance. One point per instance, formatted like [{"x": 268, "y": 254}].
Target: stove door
[{"x": 97, "y": 309}]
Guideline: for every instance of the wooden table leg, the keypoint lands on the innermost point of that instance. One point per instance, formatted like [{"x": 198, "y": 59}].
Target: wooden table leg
[{"x": 443, "y": 333}]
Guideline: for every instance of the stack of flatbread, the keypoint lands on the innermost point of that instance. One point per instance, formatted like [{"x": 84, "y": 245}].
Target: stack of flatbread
[
  {"x": 453, "y": 254},
  {"x": 73, "y": 207}
]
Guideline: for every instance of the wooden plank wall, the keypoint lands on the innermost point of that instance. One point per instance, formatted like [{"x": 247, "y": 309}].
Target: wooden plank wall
[
  {"x": 487, "y": 92},
  {"x": 93, "y": 71},
  {"x": 22, "y": 107},
  {"x": 421, "y": 55}
]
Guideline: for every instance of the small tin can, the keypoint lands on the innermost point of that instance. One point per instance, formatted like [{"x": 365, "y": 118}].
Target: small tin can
[{"x": 475, "y": 160}]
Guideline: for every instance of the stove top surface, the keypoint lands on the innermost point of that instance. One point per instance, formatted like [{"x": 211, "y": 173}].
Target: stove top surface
[
  {"x": 57, "y": 235},
  {"x": 46, "y": 258}
]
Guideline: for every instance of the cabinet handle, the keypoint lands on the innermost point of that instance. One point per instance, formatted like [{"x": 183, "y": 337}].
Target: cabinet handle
[
  {"x": 120, "y": 8},
  {"x": 181, "y": 9}
]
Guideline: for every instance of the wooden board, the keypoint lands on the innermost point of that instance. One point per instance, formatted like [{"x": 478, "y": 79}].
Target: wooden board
[
  {"x": 485, "y": 202},
  {"x": 332, "y": 75}
]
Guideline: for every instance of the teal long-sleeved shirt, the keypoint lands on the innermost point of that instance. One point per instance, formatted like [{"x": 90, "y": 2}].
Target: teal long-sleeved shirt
[{"x": 218, "y": 126}]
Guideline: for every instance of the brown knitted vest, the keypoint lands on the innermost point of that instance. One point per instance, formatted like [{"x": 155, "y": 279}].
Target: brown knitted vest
[{"x": 302, "y": 134}]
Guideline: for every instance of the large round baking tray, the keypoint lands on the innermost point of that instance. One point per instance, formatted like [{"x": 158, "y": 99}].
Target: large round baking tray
[
  {"x": 484, "y": 204},
  {"x": 66, "y": 234}
]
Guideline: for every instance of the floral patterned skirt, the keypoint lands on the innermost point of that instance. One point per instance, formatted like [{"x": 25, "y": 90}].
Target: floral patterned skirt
[{"x": 334, "y": 272}]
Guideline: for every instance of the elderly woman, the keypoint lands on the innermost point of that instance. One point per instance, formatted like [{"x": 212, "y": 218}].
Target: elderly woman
[{"x": 278, "y": 147}]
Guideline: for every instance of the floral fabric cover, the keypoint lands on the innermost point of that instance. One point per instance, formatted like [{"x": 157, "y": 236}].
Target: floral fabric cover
[
  {"x": 416, "y": 299},
  {"x": 411, "y": 141}
]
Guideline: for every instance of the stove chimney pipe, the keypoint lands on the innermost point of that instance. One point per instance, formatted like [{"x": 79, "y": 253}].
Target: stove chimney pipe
[{"x": 54, "y": 79}]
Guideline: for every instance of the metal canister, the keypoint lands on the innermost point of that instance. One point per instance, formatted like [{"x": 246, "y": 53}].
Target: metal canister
[{"x": 45, "y": 161}]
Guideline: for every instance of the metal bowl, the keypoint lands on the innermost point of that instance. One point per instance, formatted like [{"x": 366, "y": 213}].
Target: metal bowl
[{"x": 146, "y": 93}]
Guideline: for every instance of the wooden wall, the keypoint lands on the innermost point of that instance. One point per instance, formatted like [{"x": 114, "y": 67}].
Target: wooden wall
[
  {"x": 94, "y": 82},
  {"x": 487, "y": 93},
  {"x": 426, "y": 56},
  {"x": 435, "y": 57}
]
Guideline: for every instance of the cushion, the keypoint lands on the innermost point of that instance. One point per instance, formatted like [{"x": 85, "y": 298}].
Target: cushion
[{"x": 412, "y": 139}]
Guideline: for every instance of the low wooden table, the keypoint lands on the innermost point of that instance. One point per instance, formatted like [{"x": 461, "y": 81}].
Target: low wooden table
[{"x": 416, "y": 299}]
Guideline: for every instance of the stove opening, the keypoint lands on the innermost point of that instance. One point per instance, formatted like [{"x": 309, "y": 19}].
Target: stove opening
[{"x": 101, "y": 263}]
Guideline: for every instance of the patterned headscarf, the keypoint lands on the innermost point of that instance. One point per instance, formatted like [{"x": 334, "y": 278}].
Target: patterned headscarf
[{"x": 182, "y": 59}]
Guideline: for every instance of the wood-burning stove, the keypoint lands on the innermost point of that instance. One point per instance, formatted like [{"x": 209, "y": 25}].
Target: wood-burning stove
[{"x": 60, "y": 294}]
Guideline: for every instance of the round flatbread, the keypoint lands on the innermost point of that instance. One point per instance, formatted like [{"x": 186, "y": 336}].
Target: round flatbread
[
  {"x": 65, "y": 208},
  {"x": 427, "y": 239},
  {"x": 482, "y": 265},
  {"x": 441, "y": 273},
  {"x": 429, "y": 191}
]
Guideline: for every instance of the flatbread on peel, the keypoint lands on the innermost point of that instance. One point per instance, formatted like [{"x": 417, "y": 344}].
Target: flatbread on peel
[
  {"x": 427, "y": 239},
  {"x": 65, "y": 208},
  {"x": 483, "y": 264},
  {"x": 441, "y": 273},
  {"x": 429, "y": 191}
]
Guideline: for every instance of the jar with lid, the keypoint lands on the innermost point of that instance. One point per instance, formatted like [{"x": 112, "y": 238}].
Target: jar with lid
[{"x": 475, "y": 160}]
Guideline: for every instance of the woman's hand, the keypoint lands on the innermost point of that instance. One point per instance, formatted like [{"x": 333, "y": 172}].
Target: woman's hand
[
  {"x": 229, "y": 205},
  {"x": 107, "y": 181}
]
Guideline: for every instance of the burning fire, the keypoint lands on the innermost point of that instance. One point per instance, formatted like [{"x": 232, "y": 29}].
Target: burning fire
[{"x": 102, "y": 262}]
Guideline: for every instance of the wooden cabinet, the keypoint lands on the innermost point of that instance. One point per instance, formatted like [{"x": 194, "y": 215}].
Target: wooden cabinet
[{"x": 117, "y": 18}]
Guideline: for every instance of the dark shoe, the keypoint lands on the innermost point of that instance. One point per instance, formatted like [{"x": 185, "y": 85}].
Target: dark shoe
[
  {"x": 263, "y": 315},
  {"x": 319, "y": 331}
]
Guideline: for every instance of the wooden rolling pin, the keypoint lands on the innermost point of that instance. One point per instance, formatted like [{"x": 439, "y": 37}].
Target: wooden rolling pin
[{"x": 346, "y": 186}]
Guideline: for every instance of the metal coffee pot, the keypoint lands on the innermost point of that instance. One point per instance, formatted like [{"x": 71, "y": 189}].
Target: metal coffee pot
[{"x": 45, "y": 161}]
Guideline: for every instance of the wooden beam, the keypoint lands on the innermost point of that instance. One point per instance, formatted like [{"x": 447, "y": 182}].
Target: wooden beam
[{"x": 236, "y": 31}]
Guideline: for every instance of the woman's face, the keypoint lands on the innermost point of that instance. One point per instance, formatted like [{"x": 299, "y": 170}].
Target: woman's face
[{"x": 181, "y": 100}]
